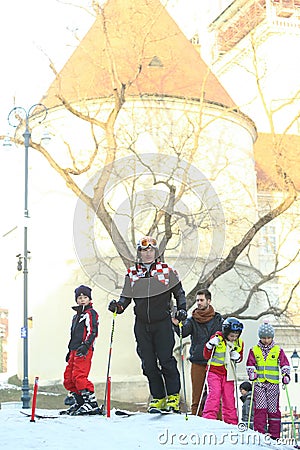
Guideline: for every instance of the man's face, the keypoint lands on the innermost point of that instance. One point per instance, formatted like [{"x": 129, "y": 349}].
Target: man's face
[
  {"x": 148, "y": 255},
  {"x": 202, "y": 302}
]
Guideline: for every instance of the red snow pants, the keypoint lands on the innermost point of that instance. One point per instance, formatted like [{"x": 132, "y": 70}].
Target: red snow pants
[{"x": 77, "y": 372}]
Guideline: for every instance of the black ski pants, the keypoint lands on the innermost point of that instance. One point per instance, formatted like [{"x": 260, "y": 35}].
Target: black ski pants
[{"x": 155, "y": 344}]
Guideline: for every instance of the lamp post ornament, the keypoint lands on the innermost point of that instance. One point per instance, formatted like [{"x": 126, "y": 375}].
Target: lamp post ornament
[
  {"x": 19, "y": 117},
  {"x": 295, "y": 363}
]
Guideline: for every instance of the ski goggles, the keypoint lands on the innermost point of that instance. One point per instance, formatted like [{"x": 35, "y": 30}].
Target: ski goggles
[
  {"x": 236, "y": 326},
  {"x": 146, "y": 242}
]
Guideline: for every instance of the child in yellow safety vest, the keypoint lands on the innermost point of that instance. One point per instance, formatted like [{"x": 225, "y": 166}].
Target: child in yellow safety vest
[
  {"x": 266, "y": 364},
  {"x": 223, "y": 351}
]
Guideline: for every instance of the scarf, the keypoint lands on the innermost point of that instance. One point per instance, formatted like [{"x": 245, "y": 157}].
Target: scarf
[
  {"x": 203, "y": 315},
  {"x": 158, "y": 270}
]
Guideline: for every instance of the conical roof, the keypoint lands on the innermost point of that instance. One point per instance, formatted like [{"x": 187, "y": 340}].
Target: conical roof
[{"x": 135, "y": 43}]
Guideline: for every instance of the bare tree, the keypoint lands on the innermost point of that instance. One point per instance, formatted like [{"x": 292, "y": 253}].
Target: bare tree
[{"x": 185, "y": 205}]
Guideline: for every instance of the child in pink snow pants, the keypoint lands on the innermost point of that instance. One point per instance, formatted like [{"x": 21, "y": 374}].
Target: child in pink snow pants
[
  {"x": 265, "y": 364},
  {"x": 223, "y": 351}
]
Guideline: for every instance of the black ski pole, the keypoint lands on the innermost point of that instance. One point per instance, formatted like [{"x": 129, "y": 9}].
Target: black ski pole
[
  {"x": 103, "y": 407},
  {"x": 182, "y": 369}
]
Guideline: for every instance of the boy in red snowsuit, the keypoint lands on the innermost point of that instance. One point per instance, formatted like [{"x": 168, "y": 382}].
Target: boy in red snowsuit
[
  {"x": 84, "y": 331},
  {"x": 265, "y": 364},
  {"x": 223, "y": 351}
]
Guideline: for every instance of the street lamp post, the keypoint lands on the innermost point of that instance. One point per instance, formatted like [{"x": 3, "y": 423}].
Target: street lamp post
[
  {"x": 295, "y": 363},
  {"x": 17, "y": 118}
]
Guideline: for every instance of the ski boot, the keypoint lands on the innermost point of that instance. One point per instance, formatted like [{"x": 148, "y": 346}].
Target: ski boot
[
  {"x": 89, "y": 406},
  {"x": 157, "y": 403},
  {"x": 78, "y": 401},
  {"x": 173, "y": 403}
]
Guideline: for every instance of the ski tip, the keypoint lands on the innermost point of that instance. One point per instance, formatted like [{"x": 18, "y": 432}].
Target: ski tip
[
  {"x": 159, "y": 411},
  {"x": 125, "y": 413},
  {"x": 119, "y": 412}
]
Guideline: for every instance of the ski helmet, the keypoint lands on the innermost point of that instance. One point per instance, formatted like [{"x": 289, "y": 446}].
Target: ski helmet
[{"x": 231, "y": 324}]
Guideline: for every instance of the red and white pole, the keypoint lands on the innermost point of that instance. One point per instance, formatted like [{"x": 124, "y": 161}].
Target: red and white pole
[
  {"x": 35, "y": 390},
  {"x": 108, "y": 396}
]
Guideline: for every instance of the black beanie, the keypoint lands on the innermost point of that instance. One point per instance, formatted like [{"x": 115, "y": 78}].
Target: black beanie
[
  {"x": 246, "y": 385},
  {"x": 85, "y": 290}
]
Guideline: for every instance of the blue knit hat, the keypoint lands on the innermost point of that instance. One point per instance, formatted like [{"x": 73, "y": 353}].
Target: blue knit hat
[
  {"x": 84, "y": 290},
  {"x": 266, "y": 330}
]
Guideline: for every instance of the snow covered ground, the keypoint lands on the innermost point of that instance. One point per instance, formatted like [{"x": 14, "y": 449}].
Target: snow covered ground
[{"x": 142, "y": 431}]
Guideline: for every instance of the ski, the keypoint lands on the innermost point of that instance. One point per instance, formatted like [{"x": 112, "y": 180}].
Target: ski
[
  {"x": 124, "y": 413},
  {"x": 39, "y": 416},
  {"x": 96, "y": 412},
  {"x": 159, "y": 411}
]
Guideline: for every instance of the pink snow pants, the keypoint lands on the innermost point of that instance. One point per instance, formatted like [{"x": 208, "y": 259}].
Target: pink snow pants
[{"x": 220, "y": 388}]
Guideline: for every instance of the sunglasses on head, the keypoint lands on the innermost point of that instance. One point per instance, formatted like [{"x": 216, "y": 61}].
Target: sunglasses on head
[{"x": 146, "y": 242}]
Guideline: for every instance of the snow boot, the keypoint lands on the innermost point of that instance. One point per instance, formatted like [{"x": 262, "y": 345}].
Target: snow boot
[
  {"x": 173, "y": 403},
  {"x": 89, "y": 406},
  {"x": 157, "y": 403}
]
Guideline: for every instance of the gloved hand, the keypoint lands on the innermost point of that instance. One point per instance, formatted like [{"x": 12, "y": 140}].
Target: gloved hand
[
  {"x": 252, "y": 375},
  {"x": 82, "y": 350},
  {"x": 181, "y": 315},
  {"x": 115, "y": 306},
  {"x": 234, "y": 355},
  {"x": 213, "y": 342},
  {"x": 68, "y": 356},
  {"x": 286, "y": 379}
]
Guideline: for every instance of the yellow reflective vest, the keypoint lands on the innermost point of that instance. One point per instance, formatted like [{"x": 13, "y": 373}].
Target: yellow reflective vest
[
  {"x": 267, "y": 369},
  {"x": 218, "y": 357}
]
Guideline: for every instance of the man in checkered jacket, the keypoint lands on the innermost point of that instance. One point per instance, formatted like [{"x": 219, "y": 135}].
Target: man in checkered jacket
[{"x": 152, "y": 284}]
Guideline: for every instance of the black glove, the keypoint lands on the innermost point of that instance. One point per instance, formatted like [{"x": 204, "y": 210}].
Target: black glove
[
  {"x": 82, "y": 350},
  {"x": 115, "y": 306},
  {"x": 68, "y": 356},
  {"x": 286, "y": 379},
  {"x": 181, "y": 315}
]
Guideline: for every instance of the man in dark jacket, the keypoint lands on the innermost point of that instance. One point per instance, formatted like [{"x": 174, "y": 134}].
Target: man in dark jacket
[
  {"x": 151, "y": 283},
  {"x": 203, "y": 323}
]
